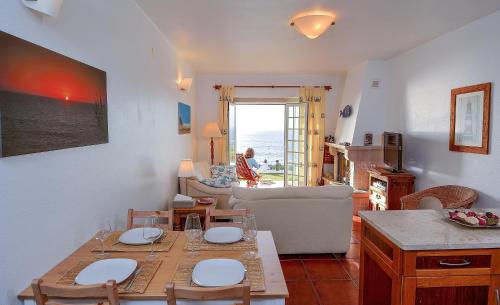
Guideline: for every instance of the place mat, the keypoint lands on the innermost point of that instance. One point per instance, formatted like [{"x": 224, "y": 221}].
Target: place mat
[
  {"x": 111, "y": 244},
  {"x": 141, "y": 281},
  {"x": 254, "y": 274},
  {"x": 203, "y": 245}
]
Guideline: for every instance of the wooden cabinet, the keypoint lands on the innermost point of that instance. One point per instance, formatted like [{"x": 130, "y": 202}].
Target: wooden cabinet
[
  {"x": 386, "y": 188},
  {"x": 391, "y": 276}
]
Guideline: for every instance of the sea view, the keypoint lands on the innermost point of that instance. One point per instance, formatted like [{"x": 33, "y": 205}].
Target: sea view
[{"x": 267, "y": 145}]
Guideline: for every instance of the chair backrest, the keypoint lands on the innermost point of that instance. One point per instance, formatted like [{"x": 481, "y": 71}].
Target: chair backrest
[
  {"x": 212, "y": 214},
  {"x": 43, "y": 292},
  {"x": 243, "y": 170},
  {"x": 238, "y": 292},
  {"x": 450, "y": 196},
  {"x": 133, "y": 214}
]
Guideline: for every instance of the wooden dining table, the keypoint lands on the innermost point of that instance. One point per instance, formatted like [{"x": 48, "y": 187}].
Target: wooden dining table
[{"x": 275, "y": 293}]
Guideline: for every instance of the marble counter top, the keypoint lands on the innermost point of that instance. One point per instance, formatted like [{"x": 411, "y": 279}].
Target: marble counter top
[{"x": 428, "y": 230}]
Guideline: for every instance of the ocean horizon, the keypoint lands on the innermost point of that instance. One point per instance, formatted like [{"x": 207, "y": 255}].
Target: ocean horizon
[{"x": 266, "y": 144}]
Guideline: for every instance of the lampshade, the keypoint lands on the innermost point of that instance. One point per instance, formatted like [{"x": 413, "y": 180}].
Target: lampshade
[
  {"x": 211, "y": 130},
  {"x": 313, "y": 24},
  {"x": 185, "y": 84},
  {"x": 186, "y": 169}
]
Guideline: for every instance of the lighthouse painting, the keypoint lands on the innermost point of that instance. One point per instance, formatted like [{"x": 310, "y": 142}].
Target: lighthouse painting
[{"x": 48, "y": 101}]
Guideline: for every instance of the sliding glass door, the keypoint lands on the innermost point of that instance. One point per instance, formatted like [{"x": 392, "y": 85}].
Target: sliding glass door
[{"x": 295, "y": 144}]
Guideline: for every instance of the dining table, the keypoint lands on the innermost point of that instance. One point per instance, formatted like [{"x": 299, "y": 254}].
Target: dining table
[{"x": 275, "y": 286}]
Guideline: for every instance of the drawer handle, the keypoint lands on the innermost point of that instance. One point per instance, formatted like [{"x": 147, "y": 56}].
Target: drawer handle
[
  {"x": 498, "y": 297},
  {"x": 462, "y": 264}
]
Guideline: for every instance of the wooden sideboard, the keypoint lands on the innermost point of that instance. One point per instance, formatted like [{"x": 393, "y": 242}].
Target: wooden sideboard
[
  {"x": 465, "y": 274},
  {"x": 386, "y": 188}
]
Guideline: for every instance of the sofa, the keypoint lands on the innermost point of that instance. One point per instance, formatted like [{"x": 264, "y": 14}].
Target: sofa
[
  {"x": 196, "y": 188},
  {"x": 301, "y": 219}
]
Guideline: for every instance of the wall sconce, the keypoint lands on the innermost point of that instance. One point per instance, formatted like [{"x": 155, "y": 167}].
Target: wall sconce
[
  {"x": 47, "y": 7},
  {"x": 185, "y": 84}
]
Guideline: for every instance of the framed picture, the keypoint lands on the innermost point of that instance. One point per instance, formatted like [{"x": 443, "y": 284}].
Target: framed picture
[
  {"x": 184, "y": 112},
  {"x": 470, "y": 119},
  {"x": 48, "y": 101}
]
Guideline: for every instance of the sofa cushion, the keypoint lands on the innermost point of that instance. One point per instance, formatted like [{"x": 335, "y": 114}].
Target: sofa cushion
[
  {"x": 316, "y": 192},
  {"x": 228, "y": 172},
  {"x": 218, "y": 182}
]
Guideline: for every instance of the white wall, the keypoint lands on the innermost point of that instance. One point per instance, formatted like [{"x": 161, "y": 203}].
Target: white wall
[
  {"x": 371, "y": 109},
  {"x": 207, "y": 97},
  {"x": 51, "y": 201},
  {"x": 421, "y": 82}
]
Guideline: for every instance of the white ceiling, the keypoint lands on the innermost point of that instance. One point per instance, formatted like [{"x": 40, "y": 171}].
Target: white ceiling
[{"x": 253, "y": 36}]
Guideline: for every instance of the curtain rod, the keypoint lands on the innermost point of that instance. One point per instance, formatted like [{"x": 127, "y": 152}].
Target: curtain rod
[{"x": 217, "y": 87}]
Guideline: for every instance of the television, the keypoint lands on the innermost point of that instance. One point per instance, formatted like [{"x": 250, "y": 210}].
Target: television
[{"x": 393, "y": 151}]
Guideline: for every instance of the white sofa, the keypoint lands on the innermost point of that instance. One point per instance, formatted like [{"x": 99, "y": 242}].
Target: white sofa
[
  {"x": 302, "y": 219},
  {"x": 196, "y": 188}
]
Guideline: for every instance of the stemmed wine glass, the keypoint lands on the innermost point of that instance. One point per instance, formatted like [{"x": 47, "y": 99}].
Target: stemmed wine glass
[
  {"x": 193, "y": 232},
  {"x": 102, "y": 234},
  {"x": 249, "y": 233},
  {"x": 151, "y": 232}
]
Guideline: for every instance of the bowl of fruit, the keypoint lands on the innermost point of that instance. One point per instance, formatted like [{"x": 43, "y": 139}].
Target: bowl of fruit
[{"x": 474, "y": 219}]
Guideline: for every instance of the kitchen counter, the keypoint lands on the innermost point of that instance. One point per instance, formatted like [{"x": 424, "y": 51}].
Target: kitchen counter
[{"x": 429, "y": 230}]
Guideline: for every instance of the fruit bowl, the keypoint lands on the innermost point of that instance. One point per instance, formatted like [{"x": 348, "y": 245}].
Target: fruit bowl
[{"x": 474, "y": 219}]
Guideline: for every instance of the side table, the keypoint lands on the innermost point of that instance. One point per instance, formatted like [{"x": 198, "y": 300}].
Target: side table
[{"x": 180, "y": 214}]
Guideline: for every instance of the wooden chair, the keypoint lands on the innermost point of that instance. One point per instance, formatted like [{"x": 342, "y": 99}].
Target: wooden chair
[
  {"x": 168, "y": 215},
  {"x": 43, "y": 292},
  {"x": 451, "y": 197},
  {"x": 227, "y": 214},
  {"x": 219, "y": 293},
  {"x": 244, "y": 171}
]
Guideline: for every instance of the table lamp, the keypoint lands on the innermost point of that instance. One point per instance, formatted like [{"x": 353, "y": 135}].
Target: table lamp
[
  {"x": 211, "y": 130},
  {"x": 186, "y": 170}
]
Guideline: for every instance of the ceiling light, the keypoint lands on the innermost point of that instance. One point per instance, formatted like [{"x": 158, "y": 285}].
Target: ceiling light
[{"x": 312, "y": 24}]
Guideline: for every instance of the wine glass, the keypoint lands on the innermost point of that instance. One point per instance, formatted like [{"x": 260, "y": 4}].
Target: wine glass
[
  {"x": 103, "y": 232},
  {"x": 151, "y": 232},
  {"x": 250, "y": 233},
  {"x": 192, "y": 229}
]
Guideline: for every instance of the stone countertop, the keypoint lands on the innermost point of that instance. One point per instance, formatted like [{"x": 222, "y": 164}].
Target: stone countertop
[{"x": 429, "y": 230}]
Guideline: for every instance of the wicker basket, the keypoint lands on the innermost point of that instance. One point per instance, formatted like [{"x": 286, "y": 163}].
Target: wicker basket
[{"x": 451, "y": 197}]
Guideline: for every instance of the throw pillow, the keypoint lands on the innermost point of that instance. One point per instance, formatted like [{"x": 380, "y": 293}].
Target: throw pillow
[{"x": 228, "y": 172}]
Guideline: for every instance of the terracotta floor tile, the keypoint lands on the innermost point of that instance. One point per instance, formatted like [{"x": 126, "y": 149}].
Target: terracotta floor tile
[
  {"x": 337, "y": 292},
  {"x": 356, "y": 235},
  {"x": 317, "y": 256},
  {"x": 351, "y": 266},
  {"x": 293, "y": 270},
  {"x": 353, "y": 251},
  {"x": 325, "y": 269},
  {"x": 301, "y": 293}
]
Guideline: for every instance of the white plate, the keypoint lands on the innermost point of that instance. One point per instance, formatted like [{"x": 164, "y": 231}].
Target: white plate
[
  {"x": 223, "y": 235},
  {"x": 218, "y": 272},
  {"x": 118, "y": 269},
  {"x": 135, "y": 236}
]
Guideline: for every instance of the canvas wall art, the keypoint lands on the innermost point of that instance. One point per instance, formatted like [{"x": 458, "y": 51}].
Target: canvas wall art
[
  {"x": 48, "y": 101},
  {"x": 470, "y": 119},
  {"x": 184, "y": 118}
]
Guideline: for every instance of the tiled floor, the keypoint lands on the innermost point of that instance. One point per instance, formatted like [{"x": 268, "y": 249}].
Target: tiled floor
[{"x": 324, "y": 279}]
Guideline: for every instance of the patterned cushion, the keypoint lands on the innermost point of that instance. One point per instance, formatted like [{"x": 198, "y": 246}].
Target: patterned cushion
[
  {"x": 219, "y": 182},
  {"x": 227, "y": 172}
]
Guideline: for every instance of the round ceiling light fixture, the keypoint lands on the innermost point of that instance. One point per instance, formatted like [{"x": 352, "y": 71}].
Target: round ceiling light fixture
[{"x": 313, "y": 23}]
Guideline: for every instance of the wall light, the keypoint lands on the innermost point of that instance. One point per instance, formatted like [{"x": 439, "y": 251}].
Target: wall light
[
  {"x": 313, "y": 23},
  {"x": 47, "y": 7},
  {"x": 185, "y": 84}
]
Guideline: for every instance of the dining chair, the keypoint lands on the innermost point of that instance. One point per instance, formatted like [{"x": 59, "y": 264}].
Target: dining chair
[
  {"x": 43, "y": 292},
  {"x": 212, "y": 214},
  {"x": 241, "y": 291},
  {"x": 133, "y": 214}
]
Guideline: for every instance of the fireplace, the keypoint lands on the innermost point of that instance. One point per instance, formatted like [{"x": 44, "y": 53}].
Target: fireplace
[{"x": 351, "y": 163}]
